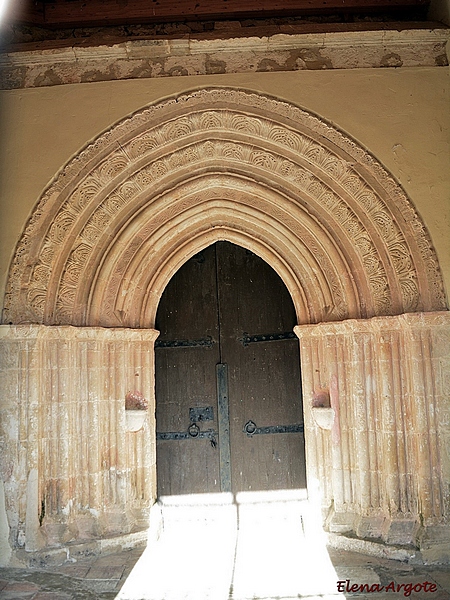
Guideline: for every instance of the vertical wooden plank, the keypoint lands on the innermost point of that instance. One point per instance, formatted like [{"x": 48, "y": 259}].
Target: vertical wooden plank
[{"x": 224, "y": 427}]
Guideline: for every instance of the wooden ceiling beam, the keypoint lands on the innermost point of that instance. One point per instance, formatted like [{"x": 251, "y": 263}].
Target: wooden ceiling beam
[{"x": 85, "y": 13}]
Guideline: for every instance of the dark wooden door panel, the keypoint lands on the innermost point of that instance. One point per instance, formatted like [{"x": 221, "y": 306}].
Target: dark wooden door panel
[
  {"x": 187, "y": 467},
  {"x": 252, "y": 297},
  {"x": 222, "y": 294},
  {"x": 264, "y": 377},
  {"x": 185, "y": 377},
  {"x": 188, "y": 307},
  {"x": 265, "y": 388}
]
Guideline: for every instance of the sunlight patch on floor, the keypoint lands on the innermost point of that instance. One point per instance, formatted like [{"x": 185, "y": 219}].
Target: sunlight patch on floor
[{"x": 258, "y": 545}]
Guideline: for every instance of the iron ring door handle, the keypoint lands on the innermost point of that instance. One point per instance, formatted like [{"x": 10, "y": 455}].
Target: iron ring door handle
[
  {"x": 250, "y": 428},
  {"x": 194, "y": 430}
]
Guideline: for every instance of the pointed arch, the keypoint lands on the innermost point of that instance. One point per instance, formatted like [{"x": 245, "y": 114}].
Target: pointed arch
[{"x": 221, "y": 164}]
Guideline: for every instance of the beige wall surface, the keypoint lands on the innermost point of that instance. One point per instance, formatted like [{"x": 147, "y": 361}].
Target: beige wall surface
[{"x": 399, "y": 115}]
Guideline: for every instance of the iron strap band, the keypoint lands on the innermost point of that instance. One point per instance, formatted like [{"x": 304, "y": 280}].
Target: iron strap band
[
  {"x": 185, "y": 435},
  {"x": 280, "y": 429},
  {"x": 200, "y": 343},
  {"x": 251, "y": 429},
  {"x": 266, "y": 337},
  {"x": 208, "y": 342}
]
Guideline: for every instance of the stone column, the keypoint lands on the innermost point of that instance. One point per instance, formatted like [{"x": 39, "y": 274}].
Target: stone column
[
  {"x": 387, "y": 378},
  {"x": 71, "y": 470}
]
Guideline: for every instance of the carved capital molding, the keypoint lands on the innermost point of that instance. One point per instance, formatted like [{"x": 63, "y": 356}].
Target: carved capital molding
[
  {"x": 120, "y": 218},
  {"x": 405, "y": 322}
]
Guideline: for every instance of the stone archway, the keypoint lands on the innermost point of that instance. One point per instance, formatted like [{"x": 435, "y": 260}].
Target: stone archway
[
  {"x": 128, "y": 211},
  {"x": 221, "y": 164}
]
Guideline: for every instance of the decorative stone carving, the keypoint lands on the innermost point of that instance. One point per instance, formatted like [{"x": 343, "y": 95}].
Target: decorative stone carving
[
  {"x": 116, "y": 224},
  {"x": 360, "y": 248}
]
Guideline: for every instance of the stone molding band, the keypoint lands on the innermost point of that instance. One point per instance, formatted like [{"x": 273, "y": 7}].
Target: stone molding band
[
  {"x": 375, "y": 324},
  {"x": 153, "y": 58}
]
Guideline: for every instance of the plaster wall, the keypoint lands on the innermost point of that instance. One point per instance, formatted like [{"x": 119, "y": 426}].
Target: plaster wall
[{"x": 400, "y": 115}]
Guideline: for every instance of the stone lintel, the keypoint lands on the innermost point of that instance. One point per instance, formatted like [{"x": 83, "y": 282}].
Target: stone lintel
[{"x": 188, "y": 55}]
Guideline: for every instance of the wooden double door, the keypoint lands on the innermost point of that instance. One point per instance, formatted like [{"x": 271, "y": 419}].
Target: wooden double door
[{"x": 228, "y": 389}]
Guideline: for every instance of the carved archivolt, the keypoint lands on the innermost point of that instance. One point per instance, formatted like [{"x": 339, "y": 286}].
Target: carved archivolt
[{"x": 221, "y": 164}]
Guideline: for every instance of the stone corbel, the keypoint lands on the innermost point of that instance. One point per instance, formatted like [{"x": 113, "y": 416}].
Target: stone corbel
[
  {"x": 323, "y": 416},
  {"x": 135, "y": 411},
  {"x": 322, "y": 412}
]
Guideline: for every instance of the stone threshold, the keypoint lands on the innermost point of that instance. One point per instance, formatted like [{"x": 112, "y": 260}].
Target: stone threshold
[{"x": 188, "y": 56}]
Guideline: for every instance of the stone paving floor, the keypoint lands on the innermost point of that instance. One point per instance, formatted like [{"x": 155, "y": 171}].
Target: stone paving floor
[
  {"x": 97, "y": 578},
  {"x": 275, "y": 555},
  {"x": 102, "y": 578}
]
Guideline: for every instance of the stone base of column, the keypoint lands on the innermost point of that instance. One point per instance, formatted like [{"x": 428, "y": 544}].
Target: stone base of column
[
  {"x": 79, "y": 550},
  {"x": 372, "y": 548},
  {"x": 433, "y": 547},
  {"x": 370, "y": 527},
  {"x": 340, "y": 522},
  {"x": 434, "y": 543},
  {"x": 401, "y": 531},
  {"x": 396, "y": 538}
]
